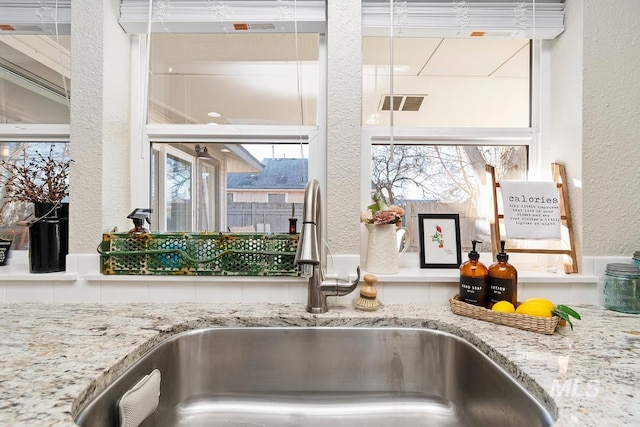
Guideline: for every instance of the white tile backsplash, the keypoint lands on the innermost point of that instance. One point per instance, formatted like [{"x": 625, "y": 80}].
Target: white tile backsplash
[
  {"x": 556, "y": 292},
  {"x": 269, "y": 291},
  {"x": 218, "y": 291},
  {"x": 22, "y": 291},
  {"x": 298, "y": 292},
  {"x": 87, "y": 285},
  {"x": 442, "y": 291},
  {"x": 172, "y": 291},
  {"x": 587, "y": 293},
  {"x": 406, "y": 293},
  {"x": 77, "y": 291},
  {"x": 134, "y": 291}
]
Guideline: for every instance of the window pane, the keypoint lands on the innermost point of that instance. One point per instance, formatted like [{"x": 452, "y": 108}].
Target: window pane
[
  {"x": 262, "y": 186},
  {"x": 206, "y": 199},
  {"x": 264, "y": 200},
  {"x": 10, "y": 213},
  {"x": 245, "y": 79},
  {"x": 444, "y": 179},
  {"x": 178, "y": 194},
  {"x": 34, "y": 75},
  {"x": 480, "y": 83}
]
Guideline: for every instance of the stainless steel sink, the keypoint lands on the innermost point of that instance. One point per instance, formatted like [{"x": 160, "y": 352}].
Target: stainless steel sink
[{"x": 334, "y": 377}]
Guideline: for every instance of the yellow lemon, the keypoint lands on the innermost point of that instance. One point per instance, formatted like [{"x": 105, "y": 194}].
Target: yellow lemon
[
  {"x": 543, "y": 301},
  {"x": 504, "y": 307},
  {"x": 534, "y": 309}
]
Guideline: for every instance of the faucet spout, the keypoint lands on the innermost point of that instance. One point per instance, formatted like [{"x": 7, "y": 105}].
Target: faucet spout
[{"x": 309, "y": 255}]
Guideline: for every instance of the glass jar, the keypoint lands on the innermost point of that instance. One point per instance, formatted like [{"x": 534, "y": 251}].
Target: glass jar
[{"x": 622, "y": 287}]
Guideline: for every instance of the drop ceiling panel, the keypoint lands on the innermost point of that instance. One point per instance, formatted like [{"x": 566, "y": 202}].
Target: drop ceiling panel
[
  {"x": 471, "y": 57},
  {"x": 409, "y": 54},
  {"x": 517, "y": 66},
  {"x": 181, "y": 50}
]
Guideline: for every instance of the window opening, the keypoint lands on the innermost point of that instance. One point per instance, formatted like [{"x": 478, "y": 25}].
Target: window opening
[
  {"x": 468, "y": 103},
  {"x": 34, "y": 79},
  {"x": 426, "y": 178},
  {"x": 264, "y": 186},
  {"x": 13, "y": 214}
]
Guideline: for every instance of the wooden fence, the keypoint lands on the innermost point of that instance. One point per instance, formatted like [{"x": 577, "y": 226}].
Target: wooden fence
[{"x": 268, "y": 217}]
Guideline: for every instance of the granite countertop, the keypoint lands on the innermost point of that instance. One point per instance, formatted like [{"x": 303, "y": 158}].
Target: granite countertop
[{"x": 55, "y": 357}]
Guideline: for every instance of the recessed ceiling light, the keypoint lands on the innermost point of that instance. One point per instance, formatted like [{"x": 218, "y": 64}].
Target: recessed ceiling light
[
  {"x": 213, "y": 114},
  {"x": 212, "y": 124},
  {"x": 225, "y": 150}
]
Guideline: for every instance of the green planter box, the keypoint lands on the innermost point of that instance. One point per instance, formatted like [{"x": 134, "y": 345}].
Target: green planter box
[{"x": 207, "y": 254}]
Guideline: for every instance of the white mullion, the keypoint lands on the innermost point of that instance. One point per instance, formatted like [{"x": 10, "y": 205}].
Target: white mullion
[{"x": 34, "y": 133}]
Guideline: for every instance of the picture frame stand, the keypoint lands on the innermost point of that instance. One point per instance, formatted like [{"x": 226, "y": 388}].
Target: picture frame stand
[{"x": 568, "y": 251}]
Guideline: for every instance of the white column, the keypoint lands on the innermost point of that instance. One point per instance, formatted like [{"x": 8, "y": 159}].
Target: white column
[
  {"x": 100, "y": 178},
  {"x": 344, "y": 98}
]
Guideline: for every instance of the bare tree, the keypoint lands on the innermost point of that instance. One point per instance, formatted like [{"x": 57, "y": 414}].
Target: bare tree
[{"x": 440, "y": 173}]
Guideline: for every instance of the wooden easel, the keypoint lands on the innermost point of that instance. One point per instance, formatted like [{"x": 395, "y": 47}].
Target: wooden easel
[{"x": 569, "y": 253}]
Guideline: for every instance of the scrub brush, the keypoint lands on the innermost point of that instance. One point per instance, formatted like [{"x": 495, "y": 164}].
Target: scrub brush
[{"x": 367, "y": 299}]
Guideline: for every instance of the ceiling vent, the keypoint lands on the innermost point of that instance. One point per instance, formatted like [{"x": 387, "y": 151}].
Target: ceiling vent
[{"x": 401, "y": 102}]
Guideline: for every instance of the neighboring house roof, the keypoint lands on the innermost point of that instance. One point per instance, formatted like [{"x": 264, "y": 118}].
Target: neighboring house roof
[{"x": 282, "y": 174}]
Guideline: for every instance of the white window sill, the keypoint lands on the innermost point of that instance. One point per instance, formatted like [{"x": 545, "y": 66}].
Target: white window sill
[{"x": 18, "y": 270}]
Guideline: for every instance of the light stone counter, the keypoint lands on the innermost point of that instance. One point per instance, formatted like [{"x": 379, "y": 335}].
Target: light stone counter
[{"x": 54, "y": 358}]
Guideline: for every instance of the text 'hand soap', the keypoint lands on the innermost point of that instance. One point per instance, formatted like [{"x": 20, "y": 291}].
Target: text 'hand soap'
[{"x": 473, "y": 279}]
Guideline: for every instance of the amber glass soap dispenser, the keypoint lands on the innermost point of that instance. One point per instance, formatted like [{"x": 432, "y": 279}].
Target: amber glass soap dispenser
[
  {"x": 473, "y": 279},
  {"x": 502, "y": 280}
]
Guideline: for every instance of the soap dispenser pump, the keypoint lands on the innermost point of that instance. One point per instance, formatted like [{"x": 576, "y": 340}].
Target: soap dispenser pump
[
  {"x": 502, "y": 280},
  {"x": 473, "y": 279},
  {"x": 139, "y": 216}
]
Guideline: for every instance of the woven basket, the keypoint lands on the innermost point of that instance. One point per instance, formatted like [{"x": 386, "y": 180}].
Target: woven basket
[{"x": 541, "y": 325}]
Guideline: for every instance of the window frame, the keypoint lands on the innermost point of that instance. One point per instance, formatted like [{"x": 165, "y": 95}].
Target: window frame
[
  {"x": 144, "y": 134},
  {"x": 529, "y": 137},
  {"x": 164, "y": 152},
  {"x": 34, "y": 133}
]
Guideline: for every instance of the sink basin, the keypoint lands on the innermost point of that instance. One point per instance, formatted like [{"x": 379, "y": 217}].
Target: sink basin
[{"x": 250, "y": 377}]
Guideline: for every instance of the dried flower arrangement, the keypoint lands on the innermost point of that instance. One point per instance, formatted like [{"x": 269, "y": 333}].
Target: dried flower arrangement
[
  {"x": 381, "y": 213},
  {"x": 40, "y": 179}
]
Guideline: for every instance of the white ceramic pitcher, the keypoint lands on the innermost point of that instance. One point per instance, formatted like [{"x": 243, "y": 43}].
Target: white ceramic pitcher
[{"x": 386, "y": 242}]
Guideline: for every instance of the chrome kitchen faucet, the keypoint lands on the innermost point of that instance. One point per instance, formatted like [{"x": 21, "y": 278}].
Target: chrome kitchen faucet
[{"x": 310, "y": 255}]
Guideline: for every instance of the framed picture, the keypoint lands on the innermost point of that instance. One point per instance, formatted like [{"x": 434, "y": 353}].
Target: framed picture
[{"x": 439, "y": 240}]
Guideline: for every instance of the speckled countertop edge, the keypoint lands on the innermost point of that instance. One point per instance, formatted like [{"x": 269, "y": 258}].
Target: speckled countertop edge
[{"x": 56, "y": 357}]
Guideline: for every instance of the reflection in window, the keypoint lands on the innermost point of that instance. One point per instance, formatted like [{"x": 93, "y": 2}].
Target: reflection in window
[
  {"x": 34, "y": 79},
  {"x": 206, "y": 198},
  {"x": 247, "y": 79},
  {"x": 178, "y": 194},
  {"x": 440, "y": 82},
  {"x": 450, "y": 95}
]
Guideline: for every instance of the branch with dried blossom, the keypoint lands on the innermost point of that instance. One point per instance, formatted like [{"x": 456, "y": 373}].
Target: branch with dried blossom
[{"x": 41, "y": 179}]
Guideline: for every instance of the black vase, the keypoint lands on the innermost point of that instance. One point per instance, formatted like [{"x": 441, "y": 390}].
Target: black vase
[{"x": 47, "y": 251}]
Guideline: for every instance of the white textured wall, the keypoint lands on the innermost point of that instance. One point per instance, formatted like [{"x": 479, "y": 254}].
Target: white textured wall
[
  {"x": 100, "y": 184},
  {"x": 611, "y": 127},
  {"x": 596, "y": 70},
  {"x": 344, "y": 95},
  {"x": 562, "y": 122}
]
